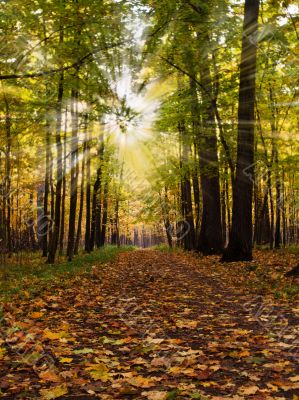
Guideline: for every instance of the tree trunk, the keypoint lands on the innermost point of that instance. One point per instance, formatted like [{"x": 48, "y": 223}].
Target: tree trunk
[
  {"x": 79, "y": 228},
  {"x": 188, "y": 233},
  {"x": 166, "y": 218},
  {"x": 59, "y": 174},
  {"x": 105, "y": 215},
  {"x": 277, "y": 239},
  {"x": 62, "y": 225},
  {"x": 240, "y": 241},
  {"x": 88, "y": 195},
  {"x": 74, "y": 169},
  {"x": 210, "y": 236},
  {"x": 8, "y": 192}
]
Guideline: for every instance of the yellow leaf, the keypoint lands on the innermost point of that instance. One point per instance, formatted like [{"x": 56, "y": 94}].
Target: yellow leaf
[
  {"x": 175, "y": 370},
  {"x": 2, "y": 352},
  {"x": 50, "y": 376},
  {"x": 294, "y": 378},
  {"x": 36, "y": 315},
  {"x": 65, "y": 360},
  {"x": 54, "y": 335},
  {"x": 54, "y": 393},
  {"x": 99, "y": 372},
  {"x": 241, "y": 332},
  {"x": 185, "y": 323}
]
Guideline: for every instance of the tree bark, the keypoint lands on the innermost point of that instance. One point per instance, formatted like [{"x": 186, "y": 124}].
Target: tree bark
[
  {"x": 8, "y": 192},
  {"x": 74, "y": 169},
  {"x": 105, "y": 214},
  {"x": 62, "y": 225},
  {"x": 210, "y": 236},
  {"x": 59, "y": 174},
  {"x": 79, "y": 228},
  {"x": 88, "y": 195},
  {"x": 240, "y": 241}
]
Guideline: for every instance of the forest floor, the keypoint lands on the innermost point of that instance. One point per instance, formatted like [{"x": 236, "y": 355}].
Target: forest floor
[{"x": 156, "y": 325}]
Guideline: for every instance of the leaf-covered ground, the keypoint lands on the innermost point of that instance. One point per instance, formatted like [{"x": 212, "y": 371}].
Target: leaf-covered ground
[{"x": 154, "y": 326}]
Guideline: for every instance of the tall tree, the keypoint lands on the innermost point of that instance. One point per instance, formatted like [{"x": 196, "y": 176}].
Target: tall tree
[{"x": 241, "y": 235}]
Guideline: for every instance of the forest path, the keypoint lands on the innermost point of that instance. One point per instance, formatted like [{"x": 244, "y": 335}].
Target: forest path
[{"x": 152, "y": 325}]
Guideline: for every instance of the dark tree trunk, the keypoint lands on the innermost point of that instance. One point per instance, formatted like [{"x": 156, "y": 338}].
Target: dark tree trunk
[
  {"x": 88, "y": 195},
  {"x": 62, "y": 225},
  {"x": 30, "y": 224},
  {"x": 74, "y": 169},
  {"x": 45, "y": 231},
  {"x": 59, "y": 174},
  {"x": 188, "y": 233},
  {"x": 79, "y": 228},
  {"x": 166, "y": 218},
  {"x": 52, "y": 200},
  {"x": 105, "y": 215},
  {"x": 210, "y": 237},
  {"x": 8, "y": 192},
  {"x": 277, "y": 240},
  {"x": 196, "y": 126},
  {"x": 96, "y": 200},
  {"x": 95, "y": 210},
  {"x": 240, "y": 242}
]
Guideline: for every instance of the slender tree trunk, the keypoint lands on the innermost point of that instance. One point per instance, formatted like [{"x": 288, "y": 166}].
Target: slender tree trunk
[
  {"x": 30, "y": 224},
  {"x": 105, "y": 214},
  {"x": 165, "y": 212},
  {"x": 8, "y": 192},
  {"x": 240, "y": 242},
  {"x": 62, "y": 225},
  {"x": 79, "y": 228},
  {"x": 277, "y": 240},
  {"x": 74, "y": 169},
  {"x": 88, "y": 195},
  {"x": 188, "y": 234},
  {"x": 52, "y": 200},
  {"x": 59, "y": 175}
]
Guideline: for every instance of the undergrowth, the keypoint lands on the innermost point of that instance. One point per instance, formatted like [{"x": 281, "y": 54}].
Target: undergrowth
[{"x": 31, "y": 274}]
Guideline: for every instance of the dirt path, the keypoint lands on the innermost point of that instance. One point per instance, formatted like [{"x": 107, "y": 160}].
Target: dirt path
[{"x": 150, "y": 326}]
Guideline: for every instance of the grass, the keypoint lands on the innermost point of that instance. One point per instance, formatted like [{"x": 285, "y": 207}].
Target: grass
[
  {"x": 30, "y": 274},
  {"x": 291, "y": 249}
]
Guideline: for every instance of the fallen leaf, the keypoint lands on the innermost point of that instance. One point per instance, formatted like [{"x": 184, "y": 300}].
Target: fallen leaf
[
  {"x": 54, "y": 393},
  {"x": 248, "y": 390},
  {"x": 36, "y": 315},
  {"x": 55, "y": 335},
  {"x": 185, "y": 323},
  {"x": 65, "y": 360},
  {"x": 2, "y": 352},
  {"x": 154, "y": 395},
  {"x": 99, "y": 372},
  {"x": 140, "y": 381},
  {"x": 49, "y": 376},
  {"x": 83, "y": 351}
]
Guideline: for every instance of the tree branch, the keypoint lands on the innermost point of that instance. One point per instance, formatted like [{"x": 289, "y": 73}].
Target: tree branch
[{"x": 53, "y": 71}]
